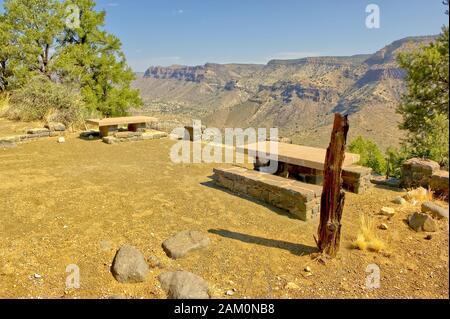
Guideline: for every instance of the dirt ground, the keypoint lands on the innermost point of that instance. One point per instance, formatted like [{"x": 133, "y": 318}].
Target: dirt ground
[{"x": 78, "y": 202}]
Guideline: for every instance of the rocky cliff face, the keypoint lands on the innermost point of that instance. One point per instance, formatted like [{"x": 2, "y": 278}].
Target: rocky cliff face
[
  {"x": 298, "y": 96},
  {"x": 184, "y": 73}
]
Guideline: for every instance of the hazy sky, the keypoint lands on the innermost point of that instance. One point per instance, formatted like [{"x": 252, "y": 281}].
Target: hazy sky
[{"x": 165, "y": 32}]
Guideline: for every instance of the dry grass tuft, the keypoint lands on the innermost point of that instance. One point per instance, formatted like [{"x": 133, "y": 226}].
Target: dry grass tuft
[
  {"x": 419, "y": 195},
  {"x": 367, "y": 238}
]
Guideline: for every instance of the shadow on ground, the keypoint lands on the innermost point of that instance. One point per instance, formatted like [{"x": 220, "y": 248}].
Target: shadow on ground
[{"x": 296, "y": 249}]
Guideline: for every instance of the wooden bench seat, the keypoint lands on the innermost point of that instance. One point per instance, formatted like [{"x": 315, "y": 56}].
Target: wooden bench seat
[{"x": 300, "y": 199}]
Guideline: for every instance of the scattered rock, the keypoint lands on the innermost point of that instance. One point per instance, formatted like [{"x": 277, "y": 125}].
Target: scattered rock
[
  {"x": 183, "y": 243},
  {"x": 291, "y": 286},
  {"x": 37, "y": 276},
  {"x": 307, "y": 269},
  {"x": 229, "y": 293},
  {"x": 422, "y": 222},
  {"x": 399, "y": 201},
  {"x": 384, "y": 227},
  {"x": 436, "y": 210},
  {"x": 56, "y": 127},
  {"x": 110, "y": 140},
  {"x": 7, "y": 144},
  {"x": 184, "y": 285},
  {"x": 61, "y": 140},
  {"x": 129, "y": 265},
  {"x": 387, "y": 211},
  {"x": 154, "y": 262},
  {"x": 117, "y": 297}
]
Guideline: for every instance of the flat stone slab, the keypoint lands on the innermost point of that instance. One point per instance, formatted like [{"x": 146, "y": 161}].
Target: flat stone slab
[
  {"x": 184, "y": 242},
  {"x": 436, "y": 210},
  {"x": 129, "y": 265},
  {"x": 7, "y": 144},
  {"x": 38, "y": 131},
  {"x": 184, "y": 285}
]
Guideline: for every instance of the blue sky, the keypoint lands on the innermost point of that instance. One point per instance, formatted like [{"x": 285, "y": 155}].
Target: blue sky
[{"x": 165, "y": 32}]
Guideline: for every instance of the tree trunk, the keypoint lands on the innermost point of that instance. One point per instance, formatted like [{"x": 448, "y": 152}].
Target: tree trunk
[{"x": 333, "y": 197}]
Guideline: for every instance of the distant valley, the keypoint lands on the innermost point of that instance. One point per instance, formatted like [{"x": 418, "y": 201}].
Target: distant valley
[{"x": 297, "y": 96}]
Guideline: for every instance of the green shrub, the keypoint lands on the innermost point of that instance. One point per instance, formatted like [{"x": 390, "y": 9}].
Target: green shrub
[
  {"x": 395, "y": 159},
  {"x": 371, "y": 155},
  {"x": 43, "y": 100}
]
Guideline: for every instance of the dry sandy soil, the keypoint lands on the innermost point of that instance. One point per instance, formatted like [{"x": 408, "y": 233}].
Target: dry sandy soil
[{"x": 78, "y": 202}]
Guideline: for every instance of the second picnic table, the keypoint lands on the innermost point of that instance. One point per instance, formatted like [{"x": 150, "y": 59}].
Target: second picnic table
[
  {"x": 302, "y": 162},
  {"x": 108, "y": 125}
]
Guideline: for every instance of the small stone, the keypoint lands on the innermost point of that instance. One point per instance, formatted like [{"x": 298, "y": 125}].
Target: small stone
[
  {"x": 387, "y": 211},
  {"x": 435, "y": 210},
  {"x": 384, "y": 227},
  {"x": 184, "y": 285},
  {"x": 229, "y": 293},
  {"x": 422, "y": 222},
  {"x": 307, "y": 269},
  {"x": 154, "y": 262},
  {"x": 183, "y": 243},
  {"x": 7, "y": 144},
  {"x": 61, "y": 140},
  {"x": 129, "y": 265},
  {"x": 429, "y": 237},
  {"x": 399, "y": 201},
  {"x": 291, "y": 286},
  {"x": 37, "y": 276},
  {"x": 110, "y": 140}
]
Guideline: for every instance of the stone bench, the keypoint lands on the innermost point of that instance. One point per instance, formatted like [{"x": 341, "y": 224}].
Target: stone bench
[
  {"x": 300, "y": 199},
  {"x": 357, "y": 179}
]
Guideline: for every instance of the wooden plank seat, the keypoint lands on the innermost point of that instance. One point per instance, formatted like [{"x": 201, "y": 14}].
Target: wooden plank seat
[
  {"x": 300, "y": 199},
  {"x": 110, "y": 126}
]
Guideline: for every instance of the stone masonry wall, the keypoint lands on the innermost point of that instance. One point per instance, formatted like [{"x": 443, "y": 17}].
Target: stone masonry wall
[
  {"x": 300, "y": 199},
  {"x": 357, "y": 179}
]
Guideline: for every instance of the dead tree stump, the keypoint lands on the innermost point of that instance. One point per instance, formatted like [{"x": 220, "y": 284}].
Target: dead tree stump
[{"x": 333, "y": 197}]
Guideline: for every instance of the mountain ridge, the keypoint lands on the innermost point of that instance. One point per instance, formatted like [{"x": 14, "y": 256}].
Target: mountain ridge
[{"x": 298, "y": 96}]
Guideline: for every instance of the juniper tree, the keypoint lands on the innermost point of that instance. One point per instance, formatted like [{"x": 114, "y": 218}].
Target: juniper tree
[
  {"x": 94, "y": 58},
  {"x": 425, "y": 109},
  {"x": 42, "y": 37}
]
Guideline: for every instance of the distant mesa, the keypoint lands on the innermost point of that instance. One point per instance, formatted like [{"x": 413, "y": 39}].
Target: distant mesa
[{"x": 298, "y": 96}]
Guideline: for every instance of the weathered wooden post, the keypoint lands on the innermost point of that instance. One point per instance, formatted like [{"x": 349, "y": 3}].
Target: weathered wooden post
[{"x": 333, "y": 197}]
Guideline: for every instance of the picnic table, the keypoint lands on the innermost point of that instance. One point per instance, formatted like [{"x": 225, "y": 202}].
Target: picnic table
[
  {"x": 303, "y": 162},
  {"x": 108, "y": 125}
]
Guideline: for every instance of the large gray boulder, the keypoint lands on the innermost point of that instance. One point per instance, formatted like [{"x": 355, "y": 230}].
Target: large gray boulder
[
  {"x": 184, "y": 285},
  {"x": 129, "y": 265},
  {"x": 182, "y": 243},
  {"x": 422, "y": 222}
]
